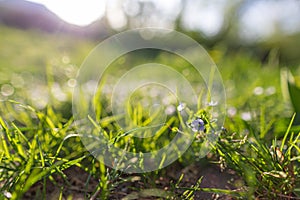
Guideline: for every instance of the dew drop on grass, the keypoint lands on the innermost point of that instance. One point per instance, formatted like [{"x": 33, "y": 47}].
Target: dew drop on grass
[
  {"x": 72, "y": 82},
  {"x": 270, "y": 90},
  {"x": 65, "y": 59},
  {"x": 7, "y": 90},
  {"x": 197, "y": 125},
  {"x": 246, "y": 116},
  {"x": 231, "y": 111},
  {"x": 181, "y": 107},
  {"x": 213, "y": 103},
  {"x": 258, "y": 90},
  {"x": 170, "y": 110}
]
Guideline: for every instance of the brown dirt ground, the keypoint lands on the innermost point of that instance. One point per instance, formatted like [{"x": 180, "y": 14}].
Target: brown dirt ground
[{"x": 73, "y": 186}]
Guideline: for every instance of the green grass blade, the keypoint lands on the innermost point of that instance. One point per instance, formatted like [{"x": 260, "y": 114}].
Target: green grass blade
[{"x": 287, "y": 132}]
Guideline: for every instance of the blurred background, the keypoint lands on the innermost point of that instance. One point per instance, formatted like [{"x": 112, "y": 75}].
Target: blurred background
[
  {"x": 258, "y": 25},
  {"x": 44, "y": 42}
]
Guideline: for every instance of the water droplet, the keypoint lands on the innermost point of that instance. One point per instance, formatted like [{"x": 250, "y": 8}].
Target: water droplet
[
  {"x": 246, "y": 116},
  {"x": 72, "y": 82},
  {"x": 213, "y": 103},
  {"x": 170, "y": 110},
  {"x": 258, "y": 90},
  {"x": 231, "y": 111},
  {"x": 65, "y": 59},
  {"x": 181, "y": 107},
  {"x": 197, "y": 125},
  {"x": 7, "y": 90},
  {"x": 270, "y": 90}
]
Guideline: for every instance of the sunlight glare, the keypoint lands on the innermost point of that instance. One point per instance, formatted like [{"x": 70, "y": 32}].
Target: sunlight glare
[{"x": 79, "y": 12}]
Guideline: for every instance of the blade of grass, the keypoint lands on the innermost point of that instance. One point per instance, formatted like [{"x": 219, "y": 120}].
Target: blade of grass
[{"x": 287, "y": 132}]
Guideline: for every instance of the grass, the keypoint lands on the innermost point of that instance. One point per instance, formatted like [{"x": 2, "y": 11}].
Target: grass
[{"x": 39, "y": 141}]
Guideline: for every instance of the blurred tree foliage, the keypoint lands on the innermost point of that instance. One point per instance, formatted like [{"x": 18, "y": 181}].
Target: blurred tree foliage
[{"x": 280, "y": 47}]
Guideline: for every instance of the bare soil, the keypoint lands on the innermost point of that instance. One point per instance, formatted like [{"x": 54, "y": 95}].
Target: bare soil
[{"x": 77, "y": 184}]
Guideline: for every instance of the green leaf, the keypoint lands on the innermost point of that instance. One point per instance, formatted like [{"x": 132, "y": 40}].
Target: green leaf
[
  {"x": 294, "y": 95},
  {"x": 290, "y": 87}
]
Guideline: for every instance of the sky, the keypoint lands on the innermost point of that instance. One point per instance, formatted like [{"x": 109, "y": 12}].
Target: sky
[
  {"x": 78, "y": 12},
  {"x": 259, "y": 20}
]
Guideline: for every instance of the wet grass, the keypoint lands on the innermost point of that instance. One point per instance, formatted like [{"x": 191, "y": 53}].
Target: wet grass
[{"x": 39, "y": 140}]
